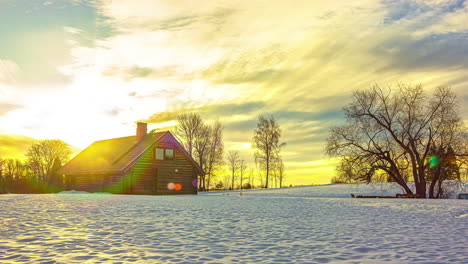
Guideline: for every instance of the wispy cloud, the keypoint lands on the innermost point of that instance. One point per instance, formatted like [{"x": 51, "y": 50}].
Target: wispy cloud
[
  {"x": 7, "y": 107},
  {"x": 9, "y": 71},
  {"x": 212, "y": 111}
]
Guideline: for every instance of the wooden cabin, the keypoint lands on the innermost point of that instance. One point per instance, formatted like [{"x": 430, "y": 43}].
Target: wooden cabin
[{"x": 154, "y": 163}]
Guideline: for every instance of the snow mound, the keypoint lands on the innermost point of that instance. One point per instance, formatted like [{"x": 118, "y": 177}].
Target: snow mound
[{"x": 334, "y": 190}]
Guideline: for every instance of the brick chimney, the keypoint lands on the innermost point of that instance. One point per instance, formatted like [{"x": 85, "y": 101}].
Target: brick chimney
[{"x": 141, "y": 130}]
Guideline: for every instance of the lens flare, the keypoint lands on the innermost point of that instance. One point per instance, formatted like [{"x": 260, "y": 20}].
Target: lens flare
[
  {"x": 177, "y": 187},
  {"x": 195, "y": 183},
  {"x": 433, "y": 161},
  {"x": 171, "y": 186}
]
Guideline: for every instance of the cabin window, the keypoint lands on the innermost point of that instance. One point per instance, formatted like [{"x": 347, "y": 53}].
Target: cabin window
[
  {"x": 169, "y": 154},
  {"x": 159, "y": 154}
]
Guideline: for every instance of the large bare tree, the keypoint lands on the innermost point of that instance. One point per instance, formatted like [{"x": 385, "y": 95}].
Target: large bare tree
[
  {"x": 187, "y": 129},
  {"x": 392, "y": 131},
  {"x": 266, "y": 140},
  {"x": 214, "y": 160},
  {"x": 42, "y": 155},
  {"x": 201, "y": 149},
  {"x": 204, "y": 142}
]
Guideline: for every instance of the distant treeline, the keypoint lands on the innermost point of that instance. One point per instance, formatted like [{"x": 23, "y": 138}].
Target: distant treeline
[{"x": 36, "y": 174}]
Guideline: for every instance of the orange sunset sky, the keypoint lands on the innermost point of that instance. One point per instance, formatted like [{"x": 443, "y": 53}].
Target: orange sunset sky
[{"x": 83, "y": 70}]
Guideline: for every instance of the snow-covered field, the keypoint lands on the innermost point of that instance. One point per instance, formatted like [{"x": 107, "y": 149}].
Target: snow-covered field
[{"x": 293, "y": 225}]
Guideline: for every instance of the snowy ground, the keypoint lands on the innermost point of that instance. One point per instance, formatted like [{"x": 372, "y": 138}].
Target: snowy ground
[{"x": 294, "y": 225}]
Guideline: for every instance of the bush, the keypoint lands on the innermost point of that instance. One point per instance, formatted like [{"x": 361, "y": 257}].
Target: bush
[{"x": 337, "y": 180}]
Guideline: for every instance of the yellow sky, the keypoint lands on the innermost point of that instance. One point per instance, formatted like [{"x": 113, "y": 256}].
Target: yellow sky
[{"x": 83, "y": 71}]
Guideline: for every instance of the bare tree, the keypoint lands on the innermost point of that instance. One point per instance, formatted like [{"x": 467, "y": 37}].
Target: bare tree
[
  {"x": 2, "y": 180},
  {"x": 201, "y": 149},
  {"x": 10, "y": 171},
  {"x": 278, "y": 171},
  {"x": 274, "y": 175},
  {"x": 281, "y": 175},
  {"x": 188, "y": 128},
  {"x": 267, "y": 142},
  {"x": 14, "y": 174},
  {"x": 392, "y": 132},
  {"x": 242, "y": 169},
  {"x": 41, "y": 156},
  {"x": 233, "y": 162},
  {"x": 204, "y": 142},
  {"x": 13, "y": 169},
  {"x": 251, "y": 178},
  {"x": 55, "y": 179},
  {"x": 261, "y": 178},
  {"x": 215, "y": 153},
  {"x": 227, "y": 182}
]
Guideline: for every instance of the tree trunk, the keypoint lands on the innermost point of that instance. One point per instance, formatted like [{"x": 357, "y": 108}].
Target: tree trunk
[
  {"x": 433, "y": 183},
  {"x": 421, "y": 188},
  {"x": 421, "y": 191},
  {"x": 440, "y": 190},
  {"x": 431, "y": 188},
  {"x": 240, "y": 187},
  {"x": 232, "y": 179}
]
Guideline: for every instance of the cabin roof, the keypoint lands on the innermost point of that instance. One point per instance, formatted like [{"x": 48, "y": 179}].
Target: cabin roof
[{"x": 115, "y": 155}]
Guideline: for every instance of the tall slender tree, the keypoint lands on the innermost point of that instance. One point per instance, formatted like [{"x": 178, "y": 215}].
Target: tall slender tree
[
  {"x": 242, "y": 169},
  {"x": 266, "y": 140},
  {"x": 233, "y": 162},
  {"x": 215, "y": 153},
  {"x": 251, "y": 178},
  {"x": 187, "y": 129},
  {"x": 2, "y": 181},
  {"x": 201, "y": 149},
  {"x": 280, "y": 174}
]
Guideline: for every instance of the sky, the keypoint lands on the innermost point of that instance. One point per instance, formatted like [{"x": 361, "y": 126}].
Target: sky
[{"x": 84, "y": 70}]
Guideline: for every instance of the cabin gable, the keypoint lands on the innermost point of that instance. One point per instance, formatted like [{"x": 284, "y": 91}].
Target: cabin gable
[{"x": 159, "y": 176}]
